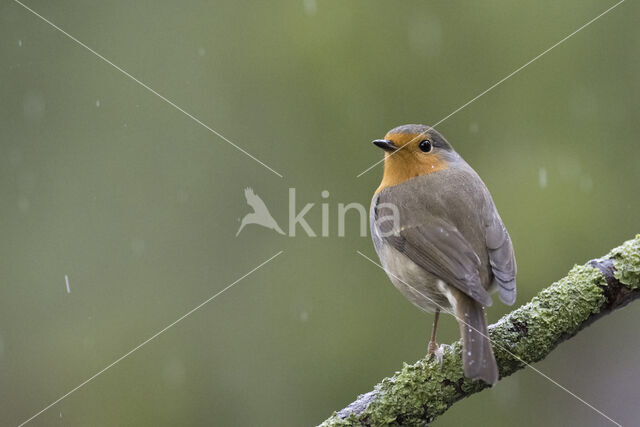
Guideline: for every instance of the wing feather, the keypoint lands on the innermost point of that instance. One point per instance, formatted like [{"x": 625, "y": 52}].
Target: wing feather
[
  {"x": 440, "y": 248},
  {"x": 501, "y": 257}
]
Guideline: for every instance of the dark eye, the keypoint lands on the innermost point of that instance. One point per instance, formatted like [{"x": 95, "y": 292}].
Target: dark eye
[{"x": 425, "y": 146}]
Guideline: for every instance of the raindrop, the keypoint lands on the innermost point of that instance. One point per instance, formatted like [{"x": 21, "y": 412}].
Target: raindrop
[
  {"x": 66, "y": 281},
  {"x": 304, "y": 316},
  {"x": 97, "y": 103},
  {"x": 542, "y": 177},
  {"x": 201, "y": 51},
  {"x": 19, "y": 43},
  {"x": 310, "y": 7}
]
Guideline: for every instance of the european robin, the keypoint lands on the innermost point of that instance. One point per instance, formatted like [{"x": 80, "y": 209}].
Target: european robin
[{"x": 441, "y": 240}]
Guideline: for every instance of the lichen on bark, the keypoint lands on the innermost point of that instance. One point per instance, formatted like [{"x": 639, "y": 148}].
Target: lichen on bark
[{"x": 626, "y": 260}]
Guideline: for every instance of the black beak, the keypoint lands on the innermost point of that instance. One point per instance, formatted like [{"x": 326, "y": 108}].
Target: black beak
[{"x": 385, "y": 144}]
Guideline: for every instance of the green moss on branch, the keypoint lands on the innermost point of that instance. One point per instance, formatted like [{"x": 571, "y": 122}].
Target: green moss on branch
[{"x": 420, "y": 392}]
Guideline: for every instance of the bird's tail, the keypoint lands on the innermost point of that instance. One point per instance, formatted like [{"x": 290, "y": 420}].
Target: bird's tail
[{"x": 477, "y": 356}]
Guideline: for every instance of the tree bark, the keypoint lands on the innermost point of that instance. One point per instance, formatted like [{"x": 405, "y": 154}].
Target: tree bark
[{"x": 418, "y": 393}]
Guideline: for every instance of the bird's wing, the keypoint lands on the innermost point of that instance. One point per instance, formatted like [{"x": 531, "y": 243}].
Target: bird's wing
[
  {"x": 439, "y": 248},
  {"x": 501, "y": 255},
  {"x": 255, "y": 201}
]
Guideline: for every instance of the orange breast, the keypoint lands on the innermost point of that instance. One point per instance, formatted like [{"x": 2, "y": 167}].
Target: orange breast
[{"x": 400, "y": 167}]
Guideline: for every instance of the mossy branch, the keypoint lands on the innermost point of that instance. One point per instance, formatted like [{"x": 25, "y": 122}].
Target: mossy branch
[{"x": 420, "y": 392}]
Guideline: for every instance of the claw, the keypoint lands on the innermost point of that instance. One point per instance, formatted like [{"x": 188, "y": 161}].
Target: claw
[{"x": 439, "y": 353}]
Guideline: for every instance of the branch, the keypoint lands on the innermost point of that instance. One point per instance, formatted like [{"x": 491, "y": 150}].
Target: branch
[{"x": 420, "y": 392}]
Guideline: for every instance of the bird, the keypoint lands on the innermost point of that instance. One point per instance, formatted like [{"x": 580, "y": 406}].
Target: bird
[
  {"x": 441, "y": 240},
  {"x": 260, "y": 214}
]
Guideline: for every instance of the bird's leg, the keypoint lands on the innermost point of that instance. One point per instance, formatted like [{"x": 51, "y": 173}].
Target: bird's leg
[{"x": 433, "y": 346}]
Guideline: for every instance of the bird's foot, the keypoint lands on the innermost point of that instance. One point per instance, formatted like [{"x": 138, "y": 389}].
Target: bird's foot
[
  {"x": 432, "y": 347},
  {"x": 434, "y": 350}
]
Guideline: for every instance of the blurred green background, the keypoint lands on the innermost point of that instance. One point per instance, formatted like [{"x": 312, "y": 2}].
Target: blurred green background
[{"x": 138, "y": 205}]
